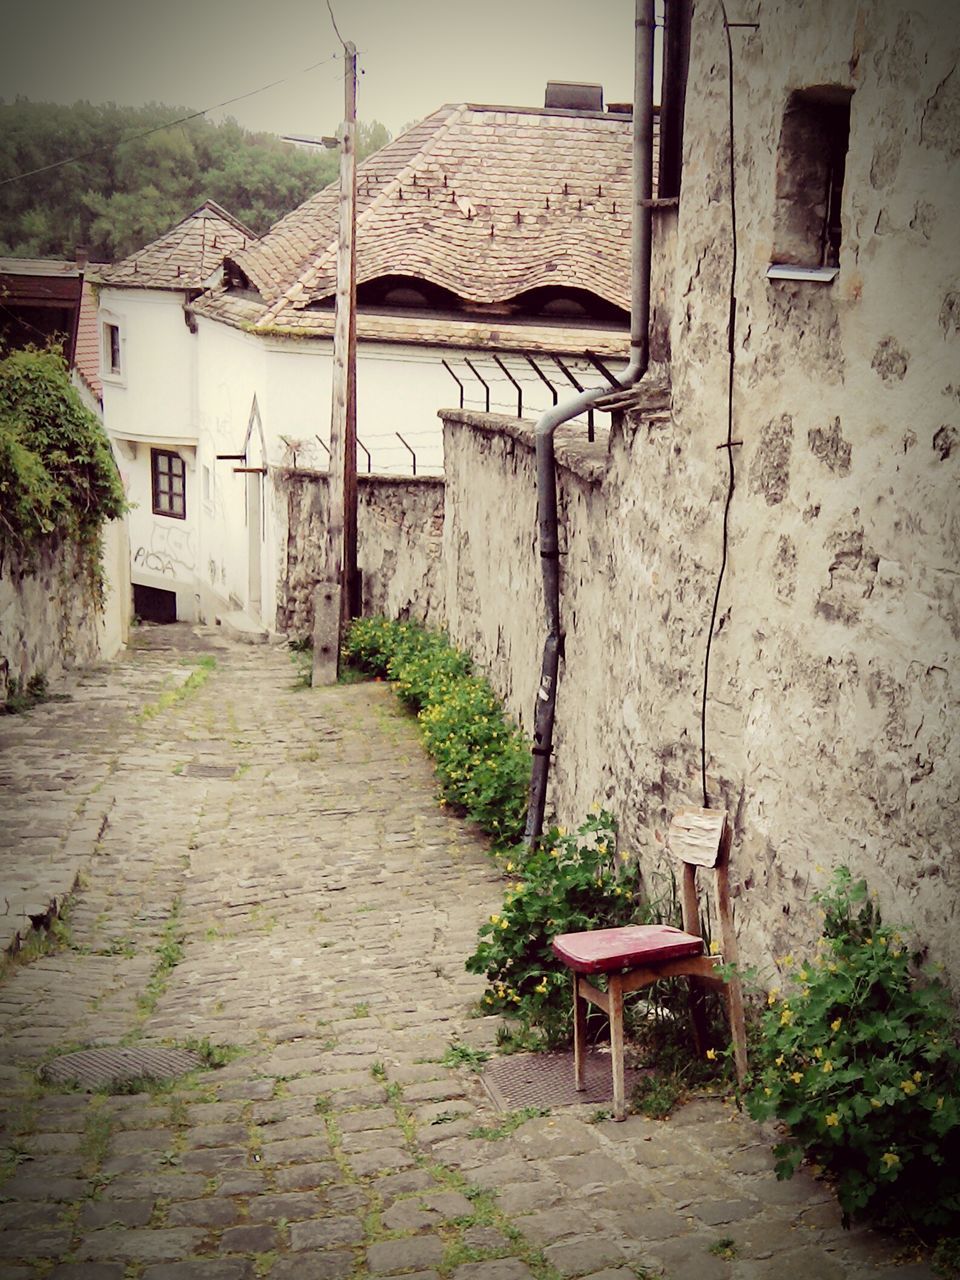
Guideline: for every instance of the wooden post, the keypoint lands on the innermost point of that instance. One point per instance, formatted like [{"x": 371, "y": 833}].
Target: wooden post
[{"x": 341, "y": 551}]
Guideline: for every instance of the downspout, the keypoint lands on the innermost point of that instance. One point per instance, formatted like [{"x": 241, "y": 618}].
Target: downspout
[{"x": 560, "y": 413}]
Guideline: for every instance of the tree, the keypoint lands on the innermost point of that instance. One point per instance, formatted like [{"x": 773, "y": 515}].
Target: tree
[{"x": 121, "y": 190}]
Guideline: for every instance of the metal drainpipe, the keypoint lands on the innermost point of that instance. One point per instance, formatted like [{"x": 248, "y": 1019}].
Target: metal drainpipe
[{"x": 560, "y": 413}]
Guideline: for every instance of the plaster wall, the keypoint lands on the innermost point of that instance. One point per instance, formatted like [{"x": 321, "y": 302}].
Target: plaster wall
[{"x": 832, "y": 710}]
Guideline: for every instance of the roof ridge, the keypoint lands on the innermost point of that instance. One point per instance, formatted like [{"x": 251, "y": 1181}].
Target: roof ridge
[{"x": 219, "y": 211}]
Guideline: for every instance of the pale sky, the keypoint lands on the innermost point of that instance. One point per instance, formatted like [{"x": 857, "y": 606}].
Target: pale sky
[{"x": 415, "y": 55}]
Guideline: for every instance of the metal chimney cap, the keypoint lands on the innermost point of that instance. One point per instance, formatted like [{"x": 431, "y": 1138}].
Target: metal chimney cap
[{"x": 573, "y": 95}]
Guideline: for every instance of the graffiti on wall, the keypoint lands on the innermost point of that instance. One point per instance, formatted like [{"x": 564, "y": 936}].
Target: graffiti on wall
[{"x": 171, "y": 551}]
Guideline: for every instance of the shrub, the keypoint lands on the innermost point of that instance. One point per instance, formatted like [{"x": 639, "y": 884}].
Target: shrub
[
  {"x": 860, "y": 1061},
  {"x": 569, "y": 882},
  {"x": 482, "y": 761},
  {"x": 57, "y": 474}
]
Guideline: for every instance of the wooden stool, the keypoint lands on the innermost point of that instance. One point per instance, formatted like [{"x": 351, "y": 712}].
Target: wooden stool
[{"x": 636, "y": 955}]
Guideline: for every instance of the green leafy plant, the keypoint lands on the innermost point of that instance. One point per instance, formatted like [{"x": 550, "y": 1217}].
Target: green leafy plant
[
  {"x": 57, "y": 473},
  {"x": 569, "y": 882},
  {"x": 482, "y": 761},
  {"x": 860, "y": 1060}
]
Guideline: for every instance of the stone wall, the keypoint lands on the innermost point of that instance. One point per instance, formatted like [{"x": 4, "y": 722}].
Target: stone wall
[
  {"x": 832, "y": 710},
  {"x": 399, "y": 536},
  {"x": 49, "y": 617}
]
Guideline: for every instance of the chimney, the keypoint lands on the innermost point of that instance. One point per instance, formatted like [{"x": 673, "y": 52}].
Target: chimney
[{"x": 572, "y": 95}]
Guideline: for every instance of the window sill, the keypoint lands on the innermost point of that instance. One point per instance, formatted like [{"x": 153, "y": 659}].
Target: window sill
[{"x": 816, "y": 275}]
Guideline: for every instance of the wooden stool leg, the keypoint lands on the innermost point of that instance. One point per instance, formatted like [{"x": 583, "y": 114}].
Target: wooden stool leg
[
  {"x": 615, "y": 995},
  {"x": 698, "y": 1015},
  {"x": 738, "y": 1031},
  {"x": 579, "y": 1033}
]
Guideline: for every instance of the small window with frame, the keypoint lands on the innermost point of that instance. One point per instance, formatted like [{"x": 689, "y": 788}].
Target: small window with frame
[
  {"x": 112, "y": 350},
  {"x": 169, "y": 484},
  {"x": 811, "y": 160}
]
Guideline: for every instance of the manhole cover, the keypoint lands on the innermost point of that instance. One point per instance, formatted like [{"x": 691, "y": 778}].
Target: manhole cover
[
  {"x": 197, "y": 770},
  {"x": 546, "y": 1080},
  {"x": 95, "y": 1068}
]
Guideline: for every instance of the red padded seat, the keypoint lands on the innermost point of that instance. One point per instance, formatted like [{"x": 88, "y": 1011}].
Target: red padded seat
[{"x": 608, "y": 950}]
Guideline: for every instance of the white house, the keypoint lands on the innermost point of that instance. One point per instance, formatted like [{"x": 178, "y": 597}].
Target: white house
[
  {"x": 148, "y": 371},
  {"x": 493, "y": 255}
]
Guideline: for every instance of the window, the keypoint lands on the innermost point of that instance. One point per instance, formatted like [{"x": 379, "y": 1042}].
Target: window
[
  {"x": 111, "y": 348},
  {"x": 810, "y": 168},
  {"x": 169, "y": 476}
]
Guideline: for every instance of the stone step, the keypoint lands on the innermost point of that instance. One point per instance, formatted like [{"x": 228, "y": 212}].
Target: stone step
[{"x": 240, "y": 626}]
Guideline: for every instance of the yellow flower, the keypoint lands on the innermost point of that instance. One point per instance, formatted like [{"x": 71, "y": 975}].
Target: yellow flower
[
  {"x": 494, "y": 919},
  {"x": 836, "y": 1024},
  {"x": 939, "y": 1104},
  {"x": 786, "y": 1017},
  {"x": 827, "y": 1067},
  {"x": 768, "y": 1091},
  {"x": 908, "y": 1087},
  {"x": 831, "y": 967},
  {"x": 890, "y": 1158},
  {"x": 788, "y": 961},
  {"x": 624, "y": 856},
  {"x": 875, "y": 1102},
  {"x": 804, "y": 976},
  {"x": 541, "y": 987},
  {"x": 509, "y": 866},
  {"x": 918, "y": 1076},
  {"x": 504, "y": 924},
  {"x": 561, "y": 831},
  {"x": 772, "y": 995},
  {"x": 818, "y": 1053},
  {"x": 714, "y": 948},
  {"x": 832, "y": 1120},
  {"x": 882, "y": 941},
  {"x": 712, "y": 1054},
  {"x": 796, "y": 1076},
  {"x": 779, "y": 1061}
]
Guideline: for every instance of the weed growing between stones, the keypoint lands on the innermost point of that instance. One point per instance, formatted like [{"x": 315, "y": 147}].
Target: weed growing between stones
[
  {"x": 25, "y": 696},
  {"x": 725, "y": 1248},
  {"x": 860, "y": 1060},
  {"x": 459, "y": 1054},
  {"x": 510, "y": 1121},
  {"x": 203, "y": 668}
]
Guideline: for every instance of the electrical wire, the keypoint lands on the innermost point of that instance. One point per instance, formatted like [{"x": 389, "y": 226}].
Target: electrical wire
[
  {"x": 194, "y": 115},
  {"x": 335, "y": 27},
  {"x": 728, "y": 444}
]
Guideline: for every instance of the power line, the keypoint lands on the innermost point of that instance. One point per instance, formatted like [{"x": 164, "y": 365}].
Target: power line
[
  {"x": 335, "y": 27},
  {"x": 194, "y": 115}
]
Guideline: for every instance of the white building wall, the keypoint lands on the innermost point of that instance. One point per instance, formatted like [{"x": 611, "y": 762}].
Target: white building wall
[{"x": 151, "y": 403}]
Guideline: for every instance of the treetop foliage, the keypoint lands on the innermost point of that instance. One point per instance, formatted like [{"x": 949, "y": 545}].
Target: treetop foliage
[
  {"x": 119, "y": 195},
  {"x": 57, "y": 473}
]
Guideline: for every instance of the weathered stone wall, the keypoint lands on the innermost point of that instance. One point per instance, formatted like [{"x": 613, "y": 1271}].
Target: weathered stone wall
[
  {"x": 832, "y": 713},
  {"x": 48, "y": 615},
  {"x": 399, "y": 536}
]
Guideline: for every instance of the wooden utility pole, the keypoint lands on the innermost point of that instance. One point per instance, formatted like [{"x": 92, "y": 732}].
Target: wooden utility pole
[{"x": 341, "y": 552}]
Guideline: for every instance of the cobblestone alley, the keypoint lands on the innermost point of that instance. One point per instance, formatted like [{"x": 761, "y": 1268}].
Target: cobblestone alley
[{"x": 252, "y": 864}]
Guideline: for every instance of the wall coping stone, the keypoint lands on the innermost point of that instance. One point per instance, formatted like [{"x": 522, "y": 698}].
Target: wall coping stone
[{"x": 574, "y": 452}]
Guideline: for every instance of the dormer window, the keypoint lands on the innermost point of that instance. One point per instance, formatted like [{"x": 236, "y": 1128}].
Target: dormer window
[{"x": 811, "y": 160}]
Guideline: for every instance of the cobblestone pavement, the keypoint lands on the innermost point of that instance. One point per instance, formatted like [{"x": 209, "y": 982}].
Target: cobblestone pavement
[{"x": 265, "y": 867}]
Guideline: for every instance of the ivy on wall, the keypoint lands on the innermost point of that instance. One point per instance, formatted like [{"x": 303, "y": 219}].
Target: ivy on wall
[{"x": 58, "y": 478}]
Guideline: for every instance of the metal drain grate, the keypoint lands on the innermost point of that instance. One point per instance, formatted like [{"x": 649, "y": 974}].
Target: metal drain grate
[
  {"x": 197, "y": 770},
  {"x": 95, "y": 1068},
  {"x": 546, "y": 1080}
]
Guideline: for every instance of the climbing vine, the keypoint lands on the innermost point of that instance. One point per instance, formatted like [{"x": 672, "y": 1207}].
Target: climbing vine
[{"x": 57, "y": 474}]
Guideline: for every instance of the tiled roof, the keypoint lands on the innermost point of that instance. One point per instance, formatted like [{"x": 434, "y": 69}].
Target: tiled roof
[
  {"x": 184, "y": 258},
  {"x": 487, "y": 202},
  {"x": 426, "y": 329},
  {"x": 86, "y": 358}
]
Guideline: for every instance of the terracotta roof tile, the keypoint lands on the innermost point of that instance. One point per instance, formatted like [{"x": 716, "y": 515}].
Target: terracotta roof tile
[
  {"x": 186, "y": 257},
  {"x": 86, "y": 359},
  {"x": 486, "y": 202},
  {"x": 243, "y": 312}
]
